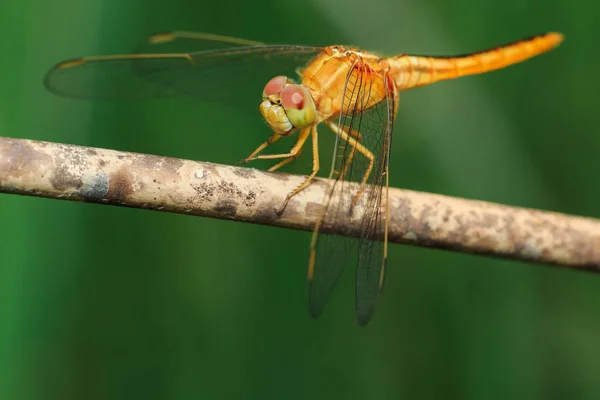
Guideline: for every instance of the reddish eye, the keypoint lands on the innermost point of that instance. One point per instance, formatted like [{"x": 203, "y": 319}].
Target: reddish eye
[
  {"x": 274, "y": 86},
  {"x": 293, "y": 97}
]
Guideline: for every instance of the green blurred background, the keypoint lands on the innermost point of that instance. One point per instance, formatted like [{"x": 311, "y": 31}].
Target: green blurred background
[{"x": 102, "y": 302}]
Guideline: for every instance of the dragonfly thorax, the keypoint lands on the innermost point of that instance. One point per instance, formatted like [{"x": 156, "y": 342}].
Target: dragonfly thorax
[{"x": 287, "y": 106}]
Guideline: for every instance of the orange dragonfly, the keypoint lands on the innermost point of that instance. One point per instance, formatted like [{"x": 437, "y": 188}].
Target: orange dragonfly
[{"x": 352, "y": 91}]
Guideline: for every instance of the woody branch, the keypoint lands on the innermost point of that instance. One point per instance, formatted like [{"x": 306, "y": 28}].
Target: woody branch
[{"x": 94, "y": 175}]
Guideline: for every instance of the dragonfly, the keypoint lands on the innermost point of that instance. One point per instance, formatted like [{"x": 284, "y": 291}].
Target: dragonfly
[{"x": 354, "y": 92}]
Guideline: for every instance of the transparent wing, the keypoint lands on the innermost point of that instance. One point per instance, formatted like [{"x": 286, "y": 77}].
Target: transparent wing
[
  {"x": 372, "y": 129},
  {"x": 372, "y": 244},
  {"x": 235, "y": 73}
]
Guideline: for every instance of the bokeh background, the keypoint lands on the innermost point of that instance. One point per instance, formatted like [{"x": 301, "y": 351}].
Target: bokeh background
[{"x": 102, "y": 302}]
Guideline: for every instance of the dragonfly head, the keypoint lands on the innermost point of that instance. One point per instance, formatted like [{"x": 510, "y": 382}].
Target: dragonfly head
[{"x": 287, "y": 106}]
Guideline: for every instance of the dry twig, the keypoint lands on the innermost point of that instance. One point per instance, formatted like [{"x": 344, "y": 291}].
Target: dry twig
[{"x": 94, "y": 175}]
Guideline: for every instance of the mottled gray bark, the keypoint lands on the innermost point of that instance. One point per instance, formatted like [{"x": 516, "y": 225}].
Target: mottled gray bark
[{"x": 94, "y": 175}]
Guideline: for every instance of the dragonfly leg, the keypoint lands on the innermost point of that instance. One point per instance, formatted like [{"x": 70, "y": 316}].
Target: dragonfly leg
[
  {"x": 306, "y": 182},
  {"x": 358, "y": 136},
  {"x": 302, "y": 136},
  {"x": 285, "y": 162},
  {"x": 260, "y": 148},
  {"x": 342, "y": 133}
]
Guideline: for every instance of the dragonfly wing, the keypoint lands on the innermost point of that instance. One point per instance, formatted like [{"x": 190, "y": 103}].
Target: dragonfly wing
[
  {"x": 235, "y": 75},
  {"x": 330, "y": 253},
  {"x": 183, "y": 41},
  {"x": 377, "y": 123}
]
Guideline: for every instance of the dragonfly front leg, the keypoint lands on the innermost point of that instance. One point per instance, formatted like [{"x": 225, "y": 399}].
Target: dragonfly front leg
[
  {"x": 285, "y": 162},
  {"x": 260, "y": 148},
  {"x": 306, "y": 182},
  {"x": 348, "y": 137},
  {"x": 302, "y": 136}
]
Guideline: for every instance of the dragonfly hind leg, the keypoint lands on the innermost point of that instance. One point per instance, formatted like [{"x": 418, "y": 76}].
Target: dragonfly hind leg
[
  {"x": 358, "y": 136},
  {"x": 352, "y": 140}
]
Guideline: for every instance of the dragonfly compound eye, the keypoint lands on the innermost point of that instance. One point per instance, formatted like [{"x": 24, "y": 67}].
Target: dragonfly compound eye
[
  {"x": 274, "y": 86},
  {"x": 298, "y": 105}
]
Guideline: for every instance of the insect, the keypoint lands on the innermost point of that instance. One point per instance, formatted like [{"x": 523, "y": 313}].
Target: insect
[{"x": 354, "y": 92}]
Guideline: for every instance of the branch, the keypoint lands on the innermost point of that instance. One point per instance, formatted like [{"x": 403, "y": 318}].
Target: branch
[{"x": 70, "y": 172}]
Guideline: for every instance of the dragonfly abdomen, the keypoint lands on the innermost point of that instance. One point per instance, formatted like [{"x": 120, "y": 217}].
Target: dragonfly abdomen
[{"x": 411, "y": 71}]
